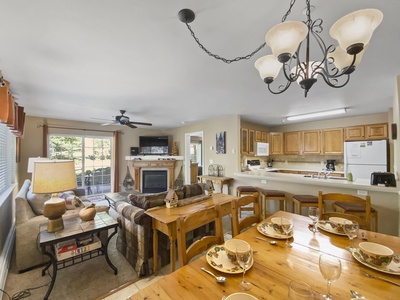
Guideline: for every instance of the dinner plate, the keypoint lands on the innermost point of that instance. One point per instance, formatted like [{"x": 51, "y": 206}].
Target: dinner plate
[
  {"x": 267, "y": 230},
  {"x": 393, "y": 268},
  {"x": 326, "y": 226},
  {"x": 218, "y": 259}
]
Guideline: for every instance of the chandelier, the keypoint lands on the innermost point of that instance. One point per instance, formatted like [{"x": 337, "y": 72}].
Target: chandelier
[{"x": 289, "y": 39}]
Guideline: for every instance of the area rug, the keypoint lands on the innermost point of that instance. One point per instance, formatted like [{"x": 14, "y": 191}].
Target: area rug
[{"x": 85, "y": 281}]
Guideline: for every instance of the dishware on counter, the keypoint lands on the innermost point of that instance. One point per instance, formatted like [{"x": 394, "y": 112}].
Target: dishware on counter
[
  {"x": 240, "y": 296},
  {"x": 299, "y": 290},
  {"x": 376, "y": 254},
  {"x": 313, "y": 213},
  {"x": 337, "y": 223},
  {"x": 330, "y": 268},
  {"x": 380, "y": 278},
  {"x": 351, "y": 230},
  {"x": 230, "y": 248},
  {"x": 219, "y": 279},
  {"x": 267, "y": 229},
  {"x": 218, "y": 259},
  {"x": 244, "y": 256}
]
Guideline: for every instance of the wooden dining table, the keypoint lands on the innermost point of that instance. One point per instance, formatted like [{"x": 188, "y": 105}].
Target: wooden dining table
[{"x": 275, "y": 266}]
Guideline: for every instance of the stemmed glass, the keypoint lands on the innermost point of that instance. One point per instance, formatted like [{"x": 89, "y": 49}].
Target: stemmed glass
[
  {"x": 313, "y": 213},
  {"x": 299, "y": 290},
  {"x": 287, "y": 227},
  {"x": 244, "y": 256},
  {"x": 351, "y": 230},
  {"x": 330, "y": 268}
]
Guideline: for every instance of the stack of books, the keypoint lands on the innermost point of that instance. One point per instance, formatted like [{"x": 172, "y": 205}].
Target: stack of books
[{"x": 73, "y": 247}]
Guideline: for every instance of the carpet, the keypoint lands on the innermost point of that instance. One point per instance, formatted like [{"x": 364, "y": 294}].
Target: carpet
[{"x": 85, "y": 281}]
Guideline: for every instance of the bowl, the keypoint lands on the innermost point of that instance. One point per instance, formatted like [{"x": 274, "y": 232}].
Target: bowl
[
  {"x": 240, "y": 296},
  {"x": 376, "y": 254},
  {"x": 338, "y": 223},
  {"x": 277, "y": 224},
  {"x": 230, "y": 248}
]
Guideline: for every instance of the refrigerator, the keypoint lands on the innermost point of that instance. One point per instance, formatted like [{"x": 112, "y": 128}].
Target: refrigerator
[{"x": 364, "y": 157}]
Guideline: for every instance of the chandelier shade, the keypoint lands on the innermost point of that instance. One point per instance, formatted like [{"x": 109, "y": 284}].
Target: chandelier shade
[
  {"x": 356, "y": 28},
  {"x": 284, "y": 38},
  {"x": 342, "y": 60},
  {"x": 268, "y": 67},
  {"x": 305, "y": 71}
]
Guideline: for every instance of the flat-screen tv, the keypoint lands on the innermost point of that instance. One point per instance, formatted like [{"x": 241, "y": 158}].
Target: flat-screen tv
[{"x": 153, "y": 145}]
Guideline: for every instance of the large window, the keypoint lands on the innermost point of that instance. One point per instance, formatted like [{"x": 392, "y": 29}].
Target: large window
[
  {"x": 92, "y": 157},
  {"x": 7, "y": 158}
]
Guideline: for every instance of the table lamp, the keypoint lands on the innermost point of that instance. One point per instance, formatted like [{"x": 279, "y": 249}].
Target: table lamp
[{"x": 52, "y": 177}]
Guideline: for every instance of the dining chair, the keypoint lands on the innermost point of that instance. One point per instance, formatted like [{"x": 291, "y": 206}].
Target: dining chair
[
  {"x": 246, "y": 190},
  {"x": 238, "y": 224},
  {"x": 345, "y": 198},
  {"x": 192, "y": 222}
]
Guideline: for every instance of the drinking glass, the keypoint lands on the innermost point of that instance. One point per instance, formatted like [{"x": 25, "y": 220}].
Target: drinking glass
[
  {"x": 331, "y": 269},
  {"x": 244, "y": 256},
  {"x": 313, "y": 213},
  {"x": 351, "y": 230},
  {"x": 299, "y": 290},
  {"x": 287, "y": 227}
]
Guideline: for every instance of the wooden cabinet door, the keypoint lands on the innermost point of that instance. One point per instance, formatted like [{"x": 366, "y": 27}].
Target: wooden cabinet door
[
  {"x": 311, "y": 142},
  {"x": 258, "y": 136},
  {"x": 332, "y": 141},
  {"x": 376, "y": 131},
  {"x": 244, "y": 141},
  {"x": 292, "y": 142},
  {"x": 264, "y": 137},
  {"x": 276, "y": 143},
  {"x": 354, "y": 133},
  {"x": 251, "y": 141}
]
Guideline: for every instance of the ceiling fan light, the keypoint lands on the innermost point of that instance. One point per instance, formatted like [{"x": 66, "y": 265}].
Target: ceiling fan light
[
  {"x": 284, "y": 38},
  {"x": 341, "y": 59},
  {"x": 356, "y": 27},
  {"x": 268, "y": 66},
  {"x": 317, "y": 114}
]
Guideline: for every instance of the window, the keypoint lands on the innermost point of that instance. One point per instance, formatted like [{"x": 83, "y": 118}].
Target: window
[
  {"x": 92, "y": 157},
  {"x": 7, "y": 158}
]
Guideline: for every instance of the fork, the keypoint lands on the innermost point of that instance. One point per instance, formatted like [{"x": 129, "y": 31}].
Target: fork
[{"x": 380, "y": 278}]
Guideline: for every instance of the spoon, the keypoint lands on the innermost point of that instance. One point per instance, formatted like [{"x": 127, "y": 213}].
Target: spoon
[
  {"x": 265, "y": 240},
  {"x": 357, "y": 295},
  {"x": 219, "y": 279}
]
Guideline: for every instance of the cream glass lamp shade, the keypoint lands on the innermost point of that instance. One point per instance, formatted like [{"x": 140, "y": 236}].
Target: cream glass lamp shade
[
  {"x": 312, "y": 66},
  {"x": 268, "y": 67},
  {"x": 356, "y": 27},
  {"x": 51, "y": 177},
  {"x": 285, "y": 37},
  {"x": 342, "y": 60}
]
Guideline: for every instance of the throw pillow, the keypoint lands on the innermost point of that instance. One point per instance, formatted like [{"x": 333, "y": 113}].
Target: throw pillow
[
  {"x": 193, "y": 190},
  {"x": 36, "y": 201},
  {"x": 146, "y": 201},
  {"x": 72, "y": 202}
]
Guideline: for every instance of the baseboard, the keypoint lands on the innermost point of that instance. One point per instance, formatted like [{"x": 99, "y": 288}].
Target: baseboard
[{"x": 5, "y": 257}]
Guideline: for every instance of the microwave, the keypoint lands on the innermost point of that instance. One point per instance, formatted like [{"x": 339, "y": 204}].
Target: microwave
[{"x": 261, "y": 149}]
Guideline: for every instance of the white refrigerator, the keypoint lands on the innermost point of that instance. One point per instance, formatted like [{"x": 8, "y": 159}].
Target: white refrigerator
[{"x": 364, "y": 157}]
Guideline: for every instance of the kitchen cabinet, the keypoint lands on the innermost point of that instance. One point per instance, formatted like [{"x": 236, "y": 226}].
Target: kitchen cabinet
[
  {"x": 244, "y": 138},
  {"x": 311, "y": 142},
  {"x": 251, "y": 141},
  {"x": 354, "y": 133},
  {"x": 376, "y": 131},
  {"x": 276, "y": 143},
  {"x": 258, "y": 136},
  {"x": 264, "y": 137},
  {"x": 332, "y": 141},
  {"x": 292, "y": 142}
]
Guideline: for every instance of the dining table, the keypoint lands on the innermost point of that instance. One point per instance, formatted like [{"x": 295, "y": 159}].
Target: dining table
[{"x": 274, "y": 266}]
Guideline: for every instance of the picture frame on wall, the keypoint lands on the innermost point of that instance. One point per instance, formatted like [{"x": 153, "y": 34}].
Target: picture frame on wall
[{"x": 220, "y": 142}]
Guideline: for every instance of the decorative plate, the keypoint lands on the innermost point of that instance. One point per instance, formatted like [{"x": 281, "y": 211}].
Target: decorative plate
[
  {"x": 393, "y": 268},
  {"x": 326, "y": 226},
  {"x": 266, "y": 229},
  {"x": 217, "y": 258}
]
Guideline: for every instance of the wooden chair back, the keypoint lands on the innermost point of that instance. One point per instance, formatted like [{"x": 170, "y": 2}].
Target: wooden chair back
[
  {"x": 194, "y": 221},
  {"x": 363, "y": 222},
  {"x": 238, "y": 224}
]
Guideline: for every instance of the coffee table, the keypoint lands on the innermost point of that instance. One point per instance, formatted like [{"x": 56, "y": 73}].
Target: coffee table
[
  {"x": 75, "y": 228},
  {"x": 112, "y": 198}
]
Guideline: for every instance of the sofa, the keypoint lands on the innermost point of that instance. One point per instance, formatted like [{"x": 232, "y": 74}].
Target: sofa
[
  {"x": 135, "y": 236},
  {"x": 29, "y": 215}
]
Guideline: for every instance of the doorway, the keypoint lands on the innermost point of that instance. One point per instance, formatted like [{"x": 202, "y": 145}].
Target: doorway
[{"x": 194, "y": 154}]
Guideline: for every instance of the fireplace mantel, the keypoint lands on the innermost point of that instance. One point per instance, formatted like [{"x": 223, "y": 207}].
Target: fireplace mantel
[{"x": 136, "y": 167}]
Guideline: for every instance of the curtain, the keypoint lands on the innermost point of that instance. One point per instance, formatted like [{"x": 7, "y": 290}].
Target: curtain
[{"x": 116, "y": 162}]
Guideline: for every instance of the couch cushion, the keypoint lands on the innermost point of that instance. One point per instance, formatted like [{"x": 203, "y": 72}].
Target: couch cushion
[
  {"x": 193, "y": 190},
  {"x": 36, "y": 201},
  {"x": 146, "y": 201}
]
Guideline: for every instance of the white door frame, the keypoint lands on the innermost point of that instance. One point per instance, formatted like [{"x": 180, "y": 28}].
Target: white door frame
[{"x": 187, "y": 153}]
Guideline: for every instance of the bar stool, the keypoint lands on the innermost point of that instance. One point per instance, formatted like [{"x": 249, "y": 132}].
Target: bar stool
[
  {"x": 272, "y": 195},
  {"x": 357, "y": 210},
  {"x": 304, "y": 201},
  {"x": 246, "y": 191}
]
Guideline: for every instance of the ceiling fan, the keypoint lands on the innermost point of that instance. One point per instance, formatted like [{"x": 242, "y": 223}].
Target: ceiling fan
[{"x": 124, "y": 120}]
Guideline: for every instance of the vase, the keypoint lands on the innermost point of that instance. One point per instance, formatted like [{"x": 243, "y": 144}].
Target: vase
[
  {"x": 128, "y": 182},
  {"x": 88, "y": 213}
]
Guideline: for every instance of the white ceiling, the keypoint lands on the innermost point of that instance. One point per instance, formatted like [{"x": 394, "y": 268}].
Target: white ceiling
[{"x": 81, "y": 60}]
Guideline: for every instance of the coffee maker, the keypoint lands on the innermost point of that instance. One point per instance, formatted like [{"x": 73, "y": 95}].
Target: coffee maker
[{"x": 330, "y": 165}]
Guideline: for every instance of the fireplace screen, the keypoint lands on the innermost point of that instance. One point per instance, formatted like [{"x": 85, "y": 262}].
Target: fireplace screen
[{"x": 154, "y": 181}]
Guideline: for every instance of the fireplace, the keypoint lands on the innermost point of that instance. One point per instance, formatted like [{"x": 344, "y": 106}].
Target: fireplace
[{"x": 154, "y": 181}]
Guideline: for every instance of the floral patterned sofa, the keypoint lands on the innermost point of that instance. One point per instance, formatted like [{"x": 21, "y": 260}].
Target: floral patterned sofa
[{"x": 135, "y": 237}]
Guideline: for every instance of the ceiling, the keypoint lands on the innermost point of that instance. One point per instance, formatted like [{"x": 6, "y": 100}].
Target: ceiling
[{"x": 86, "y": 60}]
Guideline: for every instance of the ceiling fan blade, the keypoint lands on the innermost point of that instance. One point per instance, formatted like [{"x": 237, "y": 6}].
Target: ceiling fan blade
[
  {"x": 141, "y": 123},
  {"x": 129, "y": 124},
  {"x": 110, "y": 123}
]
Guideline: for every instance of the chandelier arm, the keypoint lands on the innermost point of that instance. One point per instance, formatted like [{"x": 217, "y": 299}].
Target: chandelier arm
[
  {"x": 280, "y": 91},
  {"x": 216, "y": 56},
  {"x": 328, "y": 80}
]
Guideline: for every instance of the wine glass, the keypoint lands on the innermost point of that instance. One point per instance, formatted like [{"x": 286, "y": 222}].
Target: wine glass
[
  {"x": 351, "y": 230},
  {"x": 330, "y": 268},
  {"x": 244, "y": 256},
  {"x": 287, "y": 227},
  {"x": 313, "y": 213},
  {"x": 299, "y": 290}
]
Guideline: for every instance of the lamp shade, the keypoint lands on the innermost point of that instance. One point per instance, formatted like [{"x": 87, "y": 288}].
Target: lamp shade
[
  {"x": 268, "y": 66},
  {"x": 53, "y": 176},
  {"x": 313, "y": 67},
  {"x": 286, "y": 37},
  {"x": 356, "y": 27},
  {"x": 32, "y": 160},
  {"x": 342, "y": 60}
]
